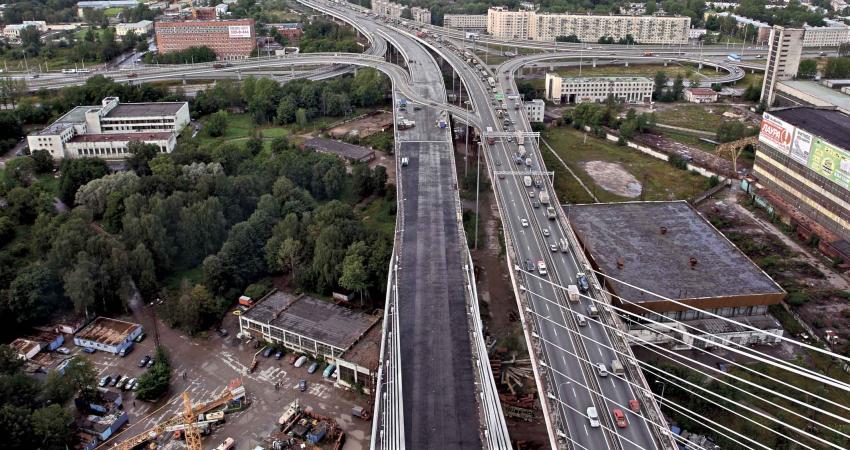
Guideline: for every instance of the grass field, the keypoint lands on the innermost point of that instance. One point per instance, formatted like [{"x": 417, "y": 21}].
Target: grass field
[
  {"x": 755, "y": 79},
  {"x": 660, "y": 180},
  {"x": 687, "y": 139},
  {"x": 637, "y": 70},
  {"x": 693, "y": 116}
]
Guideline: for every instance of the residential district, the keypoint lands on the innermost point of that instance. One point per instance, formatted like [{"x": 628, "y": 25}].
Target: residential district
[{"x": 272, "y": 224}]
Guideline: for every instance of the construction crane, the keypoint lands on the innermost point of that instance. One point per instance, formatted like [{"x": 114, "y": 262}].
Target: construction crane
[{"x": 233, "y": 391}]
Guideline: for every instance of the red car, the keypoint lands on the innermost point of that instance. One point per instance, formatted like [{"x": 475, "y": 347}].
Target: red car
[
  {"x": 620, "y": 418},
  {"x": 634, "y": 405}
]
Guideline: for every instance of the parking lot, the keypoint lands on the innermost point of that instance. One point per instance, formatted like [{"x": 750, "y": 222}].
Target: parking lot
[{"x": 204, "y": 365}]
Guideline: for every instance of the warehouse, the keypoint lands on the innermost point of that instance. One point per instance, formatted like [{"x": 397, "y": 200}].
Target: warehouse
[
  {"x": 109, "y": 335},
  {"x": 669, "y": 249}
]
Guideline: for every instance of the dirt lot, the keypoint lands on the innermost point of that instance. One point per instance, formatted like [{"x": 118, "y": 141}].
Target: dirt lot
[
  {"x": 613, "y": 178},
  {"x": 209, "y": 363},
  {"x": 363, "y": 127}
]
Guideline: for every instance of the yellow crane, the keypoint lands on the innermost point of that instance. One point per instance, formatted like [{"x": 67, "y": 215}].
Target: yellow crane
[{"x": 193, "y": 436}]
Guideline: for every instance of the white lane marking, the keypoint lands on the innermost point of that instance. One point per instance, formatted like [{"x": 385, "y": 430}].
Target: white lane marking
[
  {"x": 586, "y": 432},
  {"x": 600, "y": 352}
]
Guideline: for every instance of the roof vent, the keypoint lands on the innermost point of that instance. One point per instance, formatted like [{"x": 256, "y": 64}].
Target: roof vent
[
  {"x": 692, "y": 262},
  {"x": 663, "y": 230}
]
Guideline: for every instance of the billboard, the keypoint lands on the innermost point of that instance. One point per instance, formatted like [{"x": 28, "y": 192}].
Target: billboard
[
  {"x": 776, "y": 133},
  {"x": 239, "y": 31},
  {"x": 831, "y": 162},
  {"x": 801, "y": 146}
]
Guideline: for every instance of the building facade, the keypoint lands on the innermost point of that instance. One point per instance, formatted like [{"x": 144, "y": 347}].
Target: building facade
[
  {"x": 535, "y": 109},
  {"x": 291, "y": 31},
  {"x": 470, "y": 22},
  {"x": 802, "y": 171},
  {"x": 785, "y": 46},
  {"x": 12, "y": 33},
  {"x": 421, "y": 14},
  {"x": 139, "y": 28},
  {"x": 832, "y": 35},
  {"x": 597, "y": 89},
  {"x": 387, "y": 8},
  {"x": 108, "y": 335},
  {"x": 531, "y": 25},
  {"x": 106, "y": 130},
  {"x": 701, "y": 95},
  {"x": 229, "y": 39}
]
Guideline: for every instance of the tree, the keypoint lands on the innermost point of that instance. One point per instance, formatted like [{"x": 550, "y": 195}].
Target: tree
[
  {"x": 56, "y": 389},
  {"x": 34, "y": 294},
  {"x": 651, "y": 7},
  {"x": 361, "y": 179},
  {"x": 9, "y": 361},
  {"x": 155, "y": 382},
  {"x": 7, "y": 230},
  {"x": 661, "y": 80},
  {"x": 95, "y": 194},
  {"x": 286, "y": 110},
  {"x": 289, "y": 255},
  {"x": 216, "y": 124},
  {"x": 406, "y": 13},
  {"x": 16, "y": 426},
  {"x": 140, "y": 156},
  {"x": 31, "y": 39},
  {"x": 678, "y": 88},
  {"x": 301, "y": 117},
  {"x": 730, "y": 131},
  {"x": 77, "y": 172},
  {"x": 43, "y": 161},
  {"x": 82, "y": 377},
  {"x": 808, "y": 69},
  {"x": 51, "y": 428},
  {"x": 570, "y": 38},
  {"x": 354, "y": 274},
  {"x": 379, "y": 180}
]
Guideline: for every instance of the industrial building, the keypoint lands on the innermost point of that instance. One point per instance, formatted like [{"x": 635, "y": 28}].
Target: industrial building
[
  {"x": 319, "y": 328},
  {"x": 597, "y": 89},
  {"x": 467, "y": 22},
  {"x": 229, "y": 39},
  {"x": 668, "y": 249},
  {"x": 701, "y": 95},
  {"x": 785, "y": 46},
  {"x": 139, "y": 28},
  {"x": 350, "y": 152},
  {"x": 503, "y": 23},
  {"x": 802, "y": 174},
  {"x": 108, "y": 335},
  {"x": 105, "y": 131},
  {"x": 25, "y": 349}
]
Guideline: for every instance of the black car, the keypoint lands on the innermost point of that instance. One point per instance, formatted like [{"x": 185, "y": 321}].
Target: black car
[
  {"x": 144, "y": 361},
  {"x": 529, "y": 265}
]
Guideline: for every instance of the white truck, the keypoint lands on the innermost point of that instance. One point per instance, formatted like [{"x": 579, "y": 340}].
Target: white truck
[
  {"x": 492, "y": 82},
  {"x": 617, "y": 367},
  {"x": 521, "y": 150},
  {"x": 544, "y": 198},
  {"x": 404, "y": 124},
  {"x": 572, "y": 293},
  {"x": 526, "y": 180}
]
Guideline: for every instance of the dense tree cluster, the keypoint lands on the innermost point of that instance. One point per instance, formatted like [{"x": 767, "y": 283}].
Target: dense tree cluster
[
  {"x": 327, "y": 36},
  {"x": 837, "y": 68},
  {"x": 599, "y": 115},
  {"x": 188, "y": 56},
  {"x": 52, "y": 11},
  {"x": 794, "y": 14},
  {"x": 94, "y": 45},
  {"x": 155, "y": 381}
]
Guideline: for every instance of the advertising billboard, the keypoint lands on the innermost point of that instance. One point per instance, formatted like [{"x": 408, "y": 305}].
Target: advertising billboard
[
  {"x": 776, "y": 133},
  {"x": 239, "y": 31},
  {"x": 801, "y": 146},
  {"x": 830, "y": 162}
]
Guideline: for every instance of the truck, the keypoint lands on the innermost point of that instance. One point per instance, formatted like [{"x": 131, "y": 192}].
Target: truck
[
  {"x": 520, "y": 139},
  {"x": 492, "y": 82},
  {"x": 471, "y": 35},
  {"x": 317, "y": 433},
  {"x": 521, "y": 150},
  {"x": 244, "y": 300},
  {"x": 617, "y": 367},
  {"x": 526, "y": 180},
  {"x": 226, "y": 445},
  {"x": 550, "y": 213},
  {"x": 544, "y": 198},
  {"x": 572, "y": 293},
  {"x": 490, "y": 139},
  {"x": 404, "y": 124},
  {"x": 288, "y": 414}
]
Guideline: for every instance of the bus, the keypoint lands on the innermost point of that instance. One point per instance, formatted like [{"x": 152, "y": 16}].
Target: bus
[{"x": 734, "y": 57}]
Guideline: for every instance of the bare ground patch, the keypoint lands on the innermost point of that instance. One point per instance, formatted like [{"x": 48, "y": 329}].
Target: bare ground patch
[{"x": 613, "y": 178}]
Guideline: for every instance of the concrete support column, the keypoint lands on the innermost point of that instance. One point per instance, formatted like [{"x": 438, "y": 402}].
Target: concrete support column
[
  {"x": 627, "y": 63},
  {"x": 593, "y": 63}
]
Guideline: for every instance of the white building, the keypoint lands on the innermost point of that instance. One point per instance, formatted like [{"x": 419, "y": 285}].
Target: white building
[
  {"x": 785, "y": 48},
  {"x": 221, "y": 10},
  {"x": 108, "y": 335},
  {"x": 598, "y": 89},
  {"x": 471, "y": 22},
  {"x": 105, "y": 131},
  {"x": 696, "y": 33},
  {"x": 104, "y": 4},
  {"x": 531, "y": 25},
  {"x": 832, "y": 35},
  {"x": 421, "y": 14},
  {"x": 12, "y": 33},
  {"x": 700, "y": 95},
  {"x": 534, "y": 109},
  {"x": 387, "y": 8},
  {"x": 139, "y": 28}
]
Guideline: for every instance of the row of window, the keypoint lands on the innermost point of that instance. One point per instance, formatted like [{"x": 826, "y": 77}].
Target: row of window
[
  {"x": 108, "y": 151},
  {"x": 691, "y": 314}
]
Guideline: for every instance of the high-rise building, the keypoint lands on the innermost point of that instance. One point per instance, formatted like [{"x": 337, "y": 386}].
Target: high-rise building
[
  {"x": 229, "y": 39},
  {"x": 532, "y": 25},
  {"x": 785, "y": 46}
]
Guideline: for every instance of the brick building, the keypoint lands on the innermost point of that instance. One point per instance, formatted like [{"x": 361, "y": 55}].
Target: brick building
[{"x": 229, "y": 39}]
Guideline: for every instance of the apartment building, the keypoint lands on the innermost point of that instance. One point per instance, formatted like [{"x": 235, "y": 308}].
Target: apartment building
[
  {"x": 535, "y": 110},
  {"x": 387, "y": 8},
  {"x": 139, "y": 28},
  {"x": 785, "y": 46},
  {"x": 229, "y": 39},
  {"x": 832, "y": 35},
  {"x": 802, "y": 172},
  {"x": 532, "y": 25},
  {"x": 597, "y": 89},
  {"x": 421, "y": 14},
  {"x": 469, "y": 22},
  {"x": 105, "y": 131}
]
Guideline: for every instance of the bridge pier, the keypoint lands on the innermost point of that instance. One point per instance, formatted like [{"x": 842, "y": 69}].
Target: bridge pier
[
  {"x": 627, "y": 63},
  {"x": 699, "y": 66},
  {"x": 665, "y": 63},
  {"x": 184, "y": 80},
  {"x": 593, "y": 63}
]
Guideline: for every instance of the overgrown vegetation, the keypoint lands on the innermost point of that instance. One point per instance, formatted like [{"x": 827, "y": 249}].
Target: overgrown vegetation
[{"x": 190, "y": 55}]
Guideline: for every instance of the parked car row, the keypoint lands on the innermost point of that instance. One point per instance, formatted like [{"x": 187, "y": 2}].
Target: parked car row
[{"x": 119, "y": 381}]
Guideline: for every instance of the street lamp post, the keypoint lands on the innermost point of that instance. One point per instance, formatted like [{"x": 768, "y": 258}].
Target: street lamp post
[
  {"x": 477, "y": 191},
  {"x": 663, "y": 387}
]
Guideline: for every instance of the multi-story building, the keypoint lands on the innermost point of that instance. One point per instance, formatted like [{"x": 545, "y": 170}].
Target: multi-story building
[
  {"x": 291, "y": 31},
  {"x": 802, "y": 171},
  {"x": 470, "y": 22},
  {"x": 387, "y": 7},
  {"x": 832, "y": 35},
  {"x": 762, "y": 33},
  {"x": 421, "y": 14},
  {"x": 105, "y": 131},
  {"x": 139, "y": 28},
  {"x": 12, "y": 33},
  {"x": 535, "y": 110},
  {"x": 104, "y": 4},
  {"x": 597, "y": 89},
  {"x": 532, "y": 25},
  {"x": 229, "y": 39},
  {"x": 785, "y": 46}
]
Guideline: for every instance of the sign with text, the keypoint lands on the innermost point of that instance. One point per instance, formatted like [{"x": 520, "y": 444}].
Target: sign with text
[
  {"x": 239, "y": 31},
  {"x": 831, "y": 162},
  {"x": 776, "y": 133},
  {"x": 801, "y": 146}
]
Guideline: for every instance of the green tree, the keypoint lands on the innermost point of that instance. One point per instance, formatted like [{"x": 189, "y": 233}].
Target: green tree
[
  {"x": 678, "y": 88},
  {"x": 661, "y": 80},
  {"x": 34, "y": 294},
  {"x": 82, "y": 377},
  {"x": 570, "y": 38},
  {"x": 808, "y": 69},
  {"x": 289, "y": 255},
  {"x": 50, "y": 426},
  {"x": 379, "y": 180},
  {"x": 56, "y": 389},
  {"x": 16, "y": 426},
  {"x": 20, "y": 170},
  {"x": 155, "y": 382},
  {"x": 216, "y": 124},
  {"x": 301, "y": 117},
  {"x": 361, "y": 179},
  {"x": 43, "y": 161},
  {"x": 286, "y": 110},
  {"x": 77, "y": 172},
  {"x": 7, "y": 230},
  {"x": 354, "y": 275},
  {"x": 141, "y": 155}
]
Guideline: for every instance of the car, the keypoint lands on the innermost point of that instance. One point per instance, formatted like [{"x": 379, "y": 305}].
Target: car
[
  {"x": 267, "y": 352},
  {"x": 593, "y": 417},
  {"x": 582, "y": 322},
  {"x": 524, "y": 223},
  {"x": 313, "y": 367},
  {"x": 529, "y": 266},
  {"x": 141, "y": 337},
  {"x": 530, "y": 194},
  {"x": 150, "y": 363},
  {"x": 535, "y": 204},
  {"x": 301, "y": 361},
  {"x": 144, "y": 361},
  {"x": 416, "y": 107},
  {"x": 634, "y": 405},
  {"x": 541, "y": 268},
  {"x": 63, "y": 350},
  {"x": 498, "y": 162},
  {"x": 131, "y": 383},
  {"x": 124, "y": 379},
  {"x": 601, "y": 369},
  {"x": 546, "y": 232},
  {"x": 114, "y": 379},
  {"x": 89, "y": 350},
  {"x": 278, "y": 355},
  {"x": 620, "y": 418},
  {"x": 104, "y": 381},
  {"x": 581, "y": 281},
  {"x": 222, "y": 332},
  {"x": 553, "y": 247},
  {"x": 302, "y": 385}
]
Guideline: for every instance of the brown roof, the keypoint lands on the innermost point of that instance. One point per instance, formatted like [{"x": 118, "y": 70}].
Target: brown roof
[
  {"x": 107, "y": 331},
  {"x": 122, "y": 137},
  {"x": 702, "y": 91}
]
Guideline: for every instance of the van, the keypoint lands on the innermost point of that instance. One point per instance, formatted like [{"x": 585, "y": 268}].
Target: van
[
  {"x": 126, "y": 350},
  {"x": 329, "y": 371},
  {"x": 404, "y": 162},
  {"x": 300, "y": 361},
  {"x": 592, "y": 311},
  {"x": 617, "y": 367},
  {"x": 582, "y": 322},
  {"x": 563, "y": 244},
  {"x": 226, "y": 445}
]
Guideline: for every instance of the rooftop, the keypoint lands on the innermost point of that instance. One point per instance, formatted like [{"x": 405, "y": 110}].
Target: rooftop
[
  {"x": 24, "y": 346},
  {"x": 122, "y": 137},
  {"x": 145, "y": 109},
  {"x": 107, "y": 331},
  {"x": 317, "y": 319},
  {"x": 819, "y": 91},
  {"x": 702, "y": 91},
  {"x": 366, "y": 351},
  {"x": 344, "y": 149},
  {"x": 834, "y": 126},
  {"x": 656, "y": 241},
  {"x": 609, "y": 79}
]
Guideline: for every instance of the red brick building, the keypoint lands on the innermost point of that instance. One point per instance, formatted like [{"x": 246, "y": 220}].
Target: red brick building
[
  {"x": 229, "y": 39},
  {"x": 291, "y": 31},
  {"x": 205, "y": 13}
]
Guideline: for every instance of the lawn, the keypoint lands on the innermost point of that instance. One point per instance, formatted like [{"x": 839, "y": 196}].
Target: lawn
[
  {"x": 687, "y": 139},
  {"x": 194, "y": 275},
  {"x": 693, "y": 116},
  {"x": 756, "y": 79},
  {"x": 379, "y": 215},
  {"x": 660, "y": 180}
]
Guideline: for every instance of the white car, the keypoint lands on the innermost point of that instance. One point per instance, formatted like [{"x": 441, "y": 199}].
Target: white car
[
  {"x": 593, "y": 417},
  {"x": 63, "y": 350},
  {"x": 546, "y": 232},
  {"x": 524, "y": 223},
  {"x": 601, "y": 369}
]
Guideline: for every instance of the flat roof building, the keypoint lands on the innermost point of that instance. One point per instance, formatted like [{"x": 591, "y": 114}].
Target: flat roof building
[
  {"x": 810, "y": 93},
  {"x": 785, "y": 47},
  {"x": 597, "y": 89},
  {"x": 701, "y": 95},
  {"x": 105, "y": 131},
  {"x": 351, "y": 152},
  {"x": 139, "y": 28},
  {"x": 802, "y": 174},
  {"x": 535, "y": 110},
  {"x": 26, "y": 349},
  {"x": 109, "y": 335},
  {"x": 322, "y": 329},
  {"x": 12, "y": 32},
  {"x": 503, "y": 23},
  {"x": 468, "y": 22},
  {"x": 669, "y": 249},
  {"x": 229, "y": 39}
]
